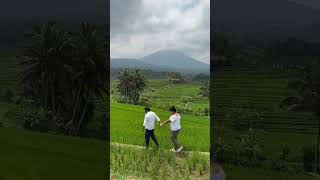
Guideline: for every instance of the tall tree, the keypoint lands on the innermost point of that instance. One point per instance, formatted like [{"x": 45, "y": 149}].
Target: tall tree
[
  {"x": 44, "y": 65},
  {"x": 90, "y": 77},
  {"x": 64, "y": 73},
  {"x": 130, "y": 84}
]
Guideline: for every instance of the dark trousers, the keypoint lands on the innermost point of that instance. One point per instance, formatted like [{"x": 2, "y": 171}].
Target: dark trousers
[{"x": 150, "y": 133}]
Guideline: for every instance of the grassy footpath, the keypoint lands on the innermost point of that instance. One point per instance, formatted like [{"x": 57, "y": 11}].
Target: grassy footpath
[
  {"x": 37, "y": 156},
  {"x": 126, "y": 127}
]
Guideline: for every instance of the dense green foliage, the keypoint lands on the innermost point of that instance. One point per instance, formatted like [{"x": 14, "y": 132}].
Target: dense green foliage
[{"x": 130, "y": 84}]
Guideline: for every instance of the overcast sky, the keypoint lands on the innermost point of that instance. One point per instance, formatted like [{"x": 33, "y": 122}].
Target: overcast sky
[{"x": 141, "y": 27}]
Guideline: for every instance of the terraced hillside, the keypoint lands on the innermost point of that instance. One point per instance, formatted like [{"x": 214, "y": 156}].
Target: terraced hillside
[
  {"x": 161, "y": 94},
  {"x": 8, "y": 73},
  {"x": 262, "y": 92},
  {"x": 9, "y": 79}
]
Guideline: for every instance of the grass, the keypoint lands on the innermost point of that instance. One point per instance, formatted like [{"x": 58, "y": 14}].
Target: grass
[
  {"x": 40, "y": 156},
  {"x": 128, "y": 162},
  {"x": 126, "y": 127}
]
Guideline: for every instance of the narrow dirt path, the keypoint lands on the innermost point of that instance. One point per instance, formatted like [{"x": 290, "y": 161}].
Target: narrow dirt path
[{"x": 142, "y": 147}]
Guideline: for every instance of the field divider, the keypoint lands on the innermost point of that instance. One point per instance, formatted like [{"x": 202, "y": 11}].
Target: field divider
[{"x": 142, "y": 147}]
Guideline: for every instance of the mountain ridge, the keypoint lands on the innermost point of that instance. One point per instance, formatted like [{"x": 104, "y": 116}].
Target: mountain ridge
[{"x": 163, "y": 60}]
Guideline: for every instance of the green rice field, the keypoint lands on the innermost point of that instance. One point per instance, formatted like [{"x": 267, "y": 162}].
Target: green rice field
[{"x": 38, "y": 156}]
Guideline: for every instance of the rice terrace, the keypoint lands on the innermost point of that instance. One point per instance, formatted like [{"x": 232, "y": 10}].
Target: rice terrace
[{"x": 126, "y": 130}]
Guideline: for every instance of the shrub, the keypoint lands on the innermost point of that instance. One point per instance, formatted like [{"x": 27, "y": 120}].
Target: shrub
[
  {"x": 186, "y": 99},
  {"x": 247, "y": 150}
]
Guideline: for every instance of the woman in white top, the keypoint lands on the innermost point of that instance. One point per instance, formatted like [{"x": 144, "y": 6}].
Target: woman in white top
[{"x": 175, "y": 127}]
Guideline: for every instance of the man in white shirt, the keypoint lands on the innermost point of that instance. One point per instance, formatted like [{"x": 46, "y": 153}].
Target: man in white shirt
[
  {"x": 148, "y": 123},
  {"x": 175, "y": 127}
]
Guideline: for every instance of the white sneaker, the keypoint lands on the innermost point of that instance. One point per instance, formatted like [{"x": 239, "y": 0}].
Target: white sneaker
[
  {"x": 179, "y": 150},
  {"x": 173, "y": 150}
]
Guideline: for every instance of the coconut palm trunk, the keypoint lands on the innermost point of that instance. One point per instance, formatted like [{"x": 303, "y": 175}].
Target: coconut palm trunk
[
  {"x": 82, "y": 117},
  {"x": 71, "y": 125}
]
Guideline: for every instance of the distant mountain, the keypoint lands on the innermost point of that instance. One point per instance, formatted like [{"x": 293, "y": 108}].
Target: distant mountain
[
  {"x": 133, "y": 63},
  {"x": 175, "y": 59},
  {"x": 164, "y": 60},
  {"x": 261, "y": 15}
]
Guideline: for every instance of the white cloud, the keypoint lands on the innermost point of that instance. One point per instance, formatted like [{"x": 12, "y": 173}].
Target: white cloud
[{"x": 140, "y": 27}]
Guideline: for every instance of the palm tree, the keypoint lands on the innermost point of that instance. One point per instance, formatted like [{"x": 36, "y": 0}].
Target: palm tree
[
  {"x": 307, "y": 98},
  {"x": 91, "y": 76},
  {"x": 54, "y": 59},
  {"x": 130, "y": 84},
  {"x": 139, "y": 85},
  {"x": 44, "y": 64}
]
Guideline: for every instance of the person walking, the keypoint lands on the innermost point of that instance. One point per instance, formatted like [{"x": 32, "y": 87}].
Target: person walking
[
  {"x": 148, "y": 123},
  {"x": 175, "y": 127}
]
